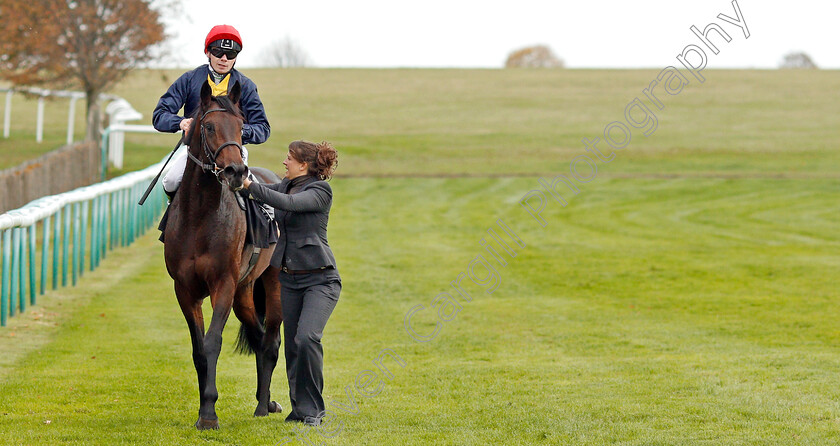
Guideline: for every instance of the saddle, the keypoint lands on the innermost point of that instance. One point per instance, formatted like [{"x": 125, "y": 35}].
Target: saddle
[{"x": 261, "y": 229}]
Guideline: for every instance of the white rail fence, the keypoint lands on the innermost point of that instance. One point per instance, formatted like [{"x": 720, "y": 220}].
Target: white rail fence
[
  {"x": 52, "y": 239},
  {"x": 119, "y": 112}
]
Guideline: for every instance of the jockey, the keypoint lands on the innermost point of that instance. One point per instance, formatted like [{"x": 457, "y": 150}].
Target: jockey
[{"x": 221, "y": 46}]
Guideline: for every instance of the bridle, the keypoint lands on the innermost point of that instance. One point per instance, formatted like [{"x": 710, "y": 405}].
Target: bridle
[{"x": 212, "y": 167}]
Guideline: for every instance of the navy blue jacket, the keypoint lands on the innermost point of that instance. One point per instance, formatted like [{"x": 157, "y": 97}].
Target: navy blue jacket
[
  {"x": 303, "y": 219},
  {"x": 186, "y": 92}
]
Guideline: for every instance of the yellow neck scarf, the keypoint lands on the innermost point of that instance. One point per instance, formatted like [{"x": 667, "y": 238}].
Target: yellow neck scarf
[{"x": 221, "y": 88}]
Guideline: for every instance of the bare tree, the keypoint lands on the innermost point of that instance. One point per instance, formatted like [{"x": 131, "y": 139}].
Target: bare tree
[
  {"x": 797, "y": 59},
  {"x": 538, "y": 56},
  {"x": 286, "y": 53},
  {"x": 87, "y": 44}
]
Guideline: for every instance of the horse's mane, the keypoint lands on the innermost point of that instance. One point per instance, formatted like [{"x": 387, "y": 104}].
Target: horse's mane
[{"x": 225, "y": 103}]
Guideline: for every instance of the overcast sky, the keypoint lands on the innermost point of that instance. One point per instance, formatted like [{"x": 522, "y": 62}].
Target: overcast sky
[{"x": 472, "y": 33}]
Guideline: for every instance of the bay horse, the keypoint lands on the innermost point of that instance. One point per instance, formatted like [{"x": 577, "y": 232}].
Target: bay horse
[{"x": 205, "y": 253}]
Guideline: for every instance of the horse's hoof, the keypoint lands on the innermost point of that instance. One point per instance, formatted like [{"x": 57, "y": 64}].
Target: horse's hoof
[
  {"x": 204, "y": 424},
  {"x": 273, "y": 407}
]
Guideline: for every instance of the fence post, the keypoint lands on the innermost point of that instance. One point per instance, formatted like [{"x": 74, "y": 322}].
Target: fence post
[
  {"x": 39, "y": 132},
  {"x": 103, "y": 223},
  {"x": 83, "y": 237},
  {"x": 94, "y": 232},
  {"x": 65, "y": 246},
  {"x": 45, "y": 249},
  {"x": 56, "y": 247},
  {"x": 74, "y": 261},
  {"x": 32, "y": 270},
  {"x": 22, "y": 271},
  {"x": 112, "y": 226},
  {"x": 4, "y": 288},
  {"x": 15, "y": 283},
  {"x": 7, "y": 117},
  {"x": 71, "y": 119},
  {"x": 132, "y": 214},
  {"x": 123, "y": 217}
]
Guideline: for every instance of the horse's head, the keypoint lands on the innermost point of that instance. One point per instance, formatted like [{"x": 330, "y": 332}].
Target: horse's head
[{"x": 220, "y": 128}]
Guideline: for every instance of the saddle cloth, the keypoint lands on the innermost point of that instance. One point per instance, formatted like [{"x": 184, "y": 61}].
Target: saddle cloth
[{"x": 259, "y": 221}]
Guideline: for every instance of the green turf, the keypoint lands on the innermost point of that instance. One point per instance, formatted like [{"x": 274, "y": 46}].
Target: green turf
[
  {"x": 681, "y": 311},
  {"x": 686, "y": 295}
]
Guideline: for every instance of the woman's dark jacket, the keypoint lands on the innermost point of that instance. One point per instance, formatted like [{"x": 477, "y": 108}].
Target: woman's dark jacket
[{"x": 303, "y": 219}]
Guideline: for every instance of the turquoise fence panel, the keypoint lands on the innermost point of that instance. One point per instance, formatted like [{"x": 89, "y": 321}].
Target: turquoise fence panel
[
  {"x": 5, "y": 292},
  {"x": 22, "y": 269},
  {"x": 56, "y": 247},
  {"x": 45, "y": 249},
  {"x": 15, "y": 259},
  {"x": 32, "y": 260},
  {"x": 94, "y": 223},
  {"x": 65, "y": 246},
  {"x": 83, "y": 238},
  {"x": 74, "y": 252},
  {"x": 78, "y": 228}
]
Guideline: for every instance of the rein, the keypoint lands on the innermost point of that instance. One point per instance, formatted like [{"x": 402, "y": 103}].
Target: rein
[{"x": 212, "y": 167}]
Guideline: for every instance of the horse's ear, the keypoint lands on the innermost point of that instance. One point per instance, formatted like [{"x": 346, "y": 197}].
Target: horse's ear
[
  {"x": 206, "y": 93},
  {"x": 235, "y": 92}
]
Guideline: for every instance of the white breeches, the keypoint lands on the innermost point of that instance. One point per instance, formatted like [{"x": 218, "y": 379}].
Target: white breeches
[{"x": 172, "y": 178}]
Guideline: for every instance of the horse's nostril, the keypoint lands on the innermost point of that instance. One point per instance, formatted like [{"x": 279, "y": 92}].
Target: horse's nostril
[{"x": 236, "y": 170}]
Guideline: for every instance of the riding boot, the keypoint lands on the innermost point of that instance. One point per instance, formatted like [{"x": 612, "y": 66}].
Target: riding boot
[{"x": 165, "y": 217}]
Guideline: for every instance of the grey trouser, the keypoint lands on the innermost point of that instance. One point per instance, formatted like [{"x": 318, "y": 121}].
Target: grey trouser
[{"x": 307, "y": 301}]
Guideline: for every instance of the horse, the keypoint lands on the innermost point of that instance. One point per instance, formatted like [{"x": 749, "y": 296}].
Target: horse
[{"x": 206, "y": 254}]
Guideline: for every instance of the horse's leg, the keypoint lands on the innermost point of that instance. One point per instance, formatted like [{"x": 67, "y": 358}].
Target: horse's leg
[
  {"x": 271, "y": 338},
  {"x": 191, "y": 307},
  {"x": 223, "y": 290},
  {"x": 262, "y": 343},
  {"x": 244, "y": 307}
]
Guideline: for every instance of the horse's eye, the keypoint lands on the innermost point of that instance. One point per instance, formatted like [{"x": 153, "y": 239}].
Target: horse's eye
[{"x": 209, "y": 127}]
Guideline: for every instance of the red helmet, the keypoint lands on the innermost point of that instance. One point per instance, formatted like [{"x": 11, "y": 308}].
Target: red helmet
[{"x": 222, "y": 32}]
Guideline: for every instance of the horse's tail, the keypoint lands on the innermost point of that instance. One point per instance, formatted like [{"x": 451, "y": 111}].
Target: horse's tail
[{"x": 249, "y": 339}]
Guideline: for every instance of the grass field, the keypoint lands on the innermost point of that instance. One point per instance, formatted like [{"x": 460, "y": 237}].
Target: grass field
[{"x": 687, "y": 295}]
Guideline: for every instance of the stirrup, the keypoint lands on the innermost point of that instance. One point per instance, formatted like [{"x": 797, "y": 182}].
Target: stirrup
[{"x": 267, "y": 209}]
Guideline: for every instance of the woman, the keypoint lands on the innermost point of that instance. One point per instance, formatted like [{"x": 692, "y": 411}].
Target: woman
[{"x": 309, "y": 276}]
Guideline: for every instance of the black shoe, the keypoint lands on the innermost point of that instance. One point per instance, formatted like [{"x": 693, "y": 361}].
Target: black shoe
[
  {"x": 312, "y": 421},
  {"x": 293, "y": 418}
]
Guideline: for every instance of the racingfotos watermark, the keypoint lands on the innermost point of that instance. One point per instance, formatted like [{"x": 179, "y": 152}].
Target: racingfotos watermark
[{"x": 424, "y": 322}]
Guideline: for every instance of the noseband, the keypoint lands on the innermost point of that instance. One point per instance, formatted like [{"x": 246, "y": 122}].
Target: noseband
[{"x": 212, "y": 167}]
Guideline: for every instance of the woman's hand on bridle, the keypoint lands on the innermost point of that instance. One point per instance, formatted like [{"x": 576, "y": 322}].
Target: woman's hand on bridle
[{"x": 246, "y": 182}]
